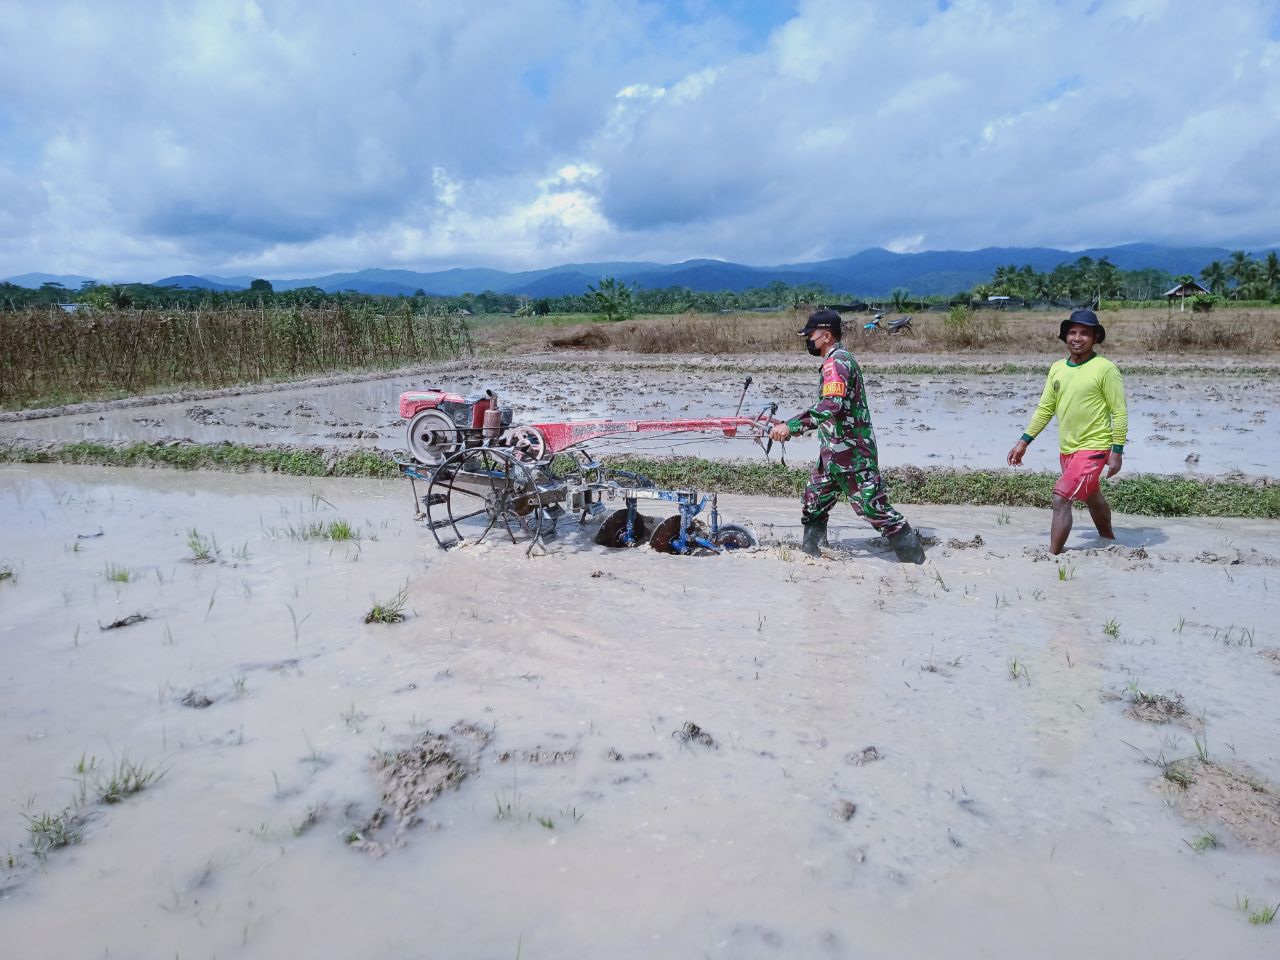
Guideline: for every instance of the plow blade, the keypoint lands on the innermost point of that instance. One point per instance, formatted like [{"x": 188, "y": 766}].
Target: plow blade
[{"x": 613, "y": 531}]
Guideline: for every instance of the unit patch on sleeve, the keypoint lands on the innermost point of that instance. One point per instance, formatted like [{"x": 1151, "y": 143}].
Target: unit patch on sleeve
[{"x": 833, "y": 388}]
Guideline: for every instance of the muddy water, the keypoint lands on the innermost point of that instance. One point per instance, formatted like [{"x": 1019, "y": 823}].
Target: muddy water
[
  {"x": 1005, "y": 814},
  {"x": 1194, "y": 424}
]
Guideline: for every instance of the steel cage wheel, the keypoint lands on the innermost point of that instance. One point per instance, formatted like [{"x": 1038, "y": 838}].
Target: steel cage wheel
[{"x": 477, "y": 489}]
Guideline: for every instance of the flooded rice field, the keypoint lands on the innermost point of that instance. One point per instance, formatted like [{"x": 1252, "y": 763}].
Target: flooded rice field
[
  {"x": 1179, "y": 423},
  {"x": 209, "y": 752}
]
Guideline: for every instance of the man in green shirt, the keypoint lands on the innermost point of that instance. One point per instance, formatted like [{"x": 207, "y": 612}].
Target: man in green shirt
[{"x": 1086, "y": 394}]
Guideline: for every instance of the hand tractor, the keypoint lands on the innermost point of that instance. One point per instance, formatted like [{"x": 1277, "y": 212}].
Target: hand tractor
[{"x": 484, "y": 472}]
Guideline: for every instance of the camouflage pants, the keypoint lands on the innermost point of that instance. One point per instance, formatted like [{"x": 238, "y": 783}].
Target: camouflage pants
[{"x": 836, "y": 476}]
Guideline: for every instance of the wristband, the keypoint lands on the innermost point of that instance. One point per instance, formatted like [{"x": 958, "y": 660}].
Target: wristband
[
  {"x": 1117, "y": 448},
  {"x": 1027, "y": 438}
]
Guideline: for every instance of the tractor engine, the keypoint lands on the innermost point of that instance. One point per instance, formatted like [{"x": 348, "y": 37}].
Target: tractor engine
[{"x": 442, "y": 423}]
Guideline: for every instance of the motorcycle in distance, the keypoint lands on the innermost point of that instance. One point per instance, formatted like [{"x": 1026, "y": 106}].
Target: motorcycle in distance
[{"x": 895, "y": 326}]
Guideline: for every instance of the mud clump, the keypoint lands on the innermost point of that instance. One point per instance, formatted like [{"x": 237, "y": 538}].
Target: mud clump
[
  {"x": 1232, "y": 794},
  {"x": 196, "y": 699},
  {"x": 843, "y": 810},
  {"x": 128, "y": 621},
  {"x": 617, "y": 756},
  {"x": 1157, "y": 708},
  {"x": 971, "y": 544},
  {"x": 864, "y": 756},
  {"x": 586, "y": 340},
  {"x": 204, "y": 416},
  {"x": 411, "y": 778},
  {"x": 470, "y": 731},
  {"x": 538, "y": 758},
  {"x": 1272, "y": 654},
  {"x": 692, "y": 733}
]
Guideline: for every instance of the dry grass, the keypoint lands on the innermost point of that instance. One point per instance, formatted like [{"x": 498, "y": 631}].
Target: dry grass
[
  {"x": 48, "y": 356},
  {"x": 1244, "y": 332},
  {"x": 1130, "y": 332}
]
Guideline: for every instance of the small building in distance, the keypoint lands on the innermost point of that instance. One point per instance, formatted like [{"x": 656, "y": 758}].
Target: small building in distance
[{"x": 1183, "y": 290}]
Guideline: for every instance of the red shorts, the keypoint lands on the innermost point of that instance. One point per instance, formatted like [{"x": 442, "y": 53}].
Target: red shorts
[{"x": 1081, "y": 473}]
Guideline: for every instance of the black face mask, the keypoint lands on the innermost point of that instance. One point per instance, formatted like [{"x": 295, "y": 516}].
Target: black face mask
[{"x": 813, "y": 348}]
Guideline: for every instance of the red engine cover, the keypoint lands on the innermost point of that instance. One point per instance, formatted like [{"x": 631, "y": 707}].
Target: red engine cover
[{"x": 415, "y": 401}]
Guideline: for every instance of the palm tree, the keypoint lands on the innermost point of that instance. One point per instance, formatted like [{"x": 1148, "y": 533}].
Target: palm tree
[
  {"x": 1244, "y": 270},
  {"x": 1105, "y": 279},
  {"x": 1255, "y": 288},
  {"x": 1240, "y": 267},
  {"x": 1215, "y": 276},
  {"x": 1271, "y": 271}
]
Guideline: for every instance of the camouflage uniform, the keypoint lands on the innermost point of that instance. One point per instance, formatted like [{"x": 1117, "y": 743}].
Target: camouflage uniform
[{"x": 847, "y": 461}]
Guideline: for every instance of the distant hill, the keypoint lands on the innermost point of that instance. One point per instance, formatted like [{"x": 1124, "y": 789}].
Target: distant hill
[
  {"x": 188, "y": 282},
  {"x": 869, "y": 273},
  {"x": 36, "y": 280},
  {"x": 235, "y": 283}
]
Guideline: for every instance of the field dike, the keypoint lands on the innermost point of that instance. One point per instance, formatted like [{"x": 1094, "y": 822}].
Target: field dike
[{"x": 1139, "y": 494}]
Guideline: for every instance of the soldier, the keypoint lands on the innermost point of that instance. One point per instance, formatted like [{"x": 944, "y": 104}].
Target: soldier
[{"x": 847, "y": 460}]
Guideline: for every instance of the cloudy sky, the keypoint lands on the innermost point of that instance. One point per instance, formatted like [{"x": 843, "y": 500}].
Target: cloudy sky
[{"x": 284, "y": 138}]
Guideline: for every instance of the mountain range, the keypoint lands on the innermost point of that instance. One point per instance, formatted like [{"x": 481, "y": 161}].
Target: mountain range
[{"x": 872, "y": 273}]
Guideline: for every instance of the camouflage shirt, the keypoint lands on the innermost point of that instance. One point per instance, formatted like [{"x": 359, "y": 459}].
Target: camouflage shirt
[{"x": 841, "y": 415}]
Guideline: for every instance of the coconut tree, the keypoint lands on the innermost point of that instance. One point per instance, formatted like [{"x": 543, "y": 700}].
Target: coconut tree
[
  {"x": 1215, "y": 277},
  {"x": 1240, "y": 269},
  {"x": 1105, "y": 278},
  {"x": 1271, "y": 272}
]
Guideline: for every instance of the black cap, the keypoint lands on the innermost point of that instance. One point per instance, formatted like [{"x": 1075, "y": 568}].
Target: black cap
[
  {"x": 822, "y": 320},
  {"x": 1086, "y": 318}
]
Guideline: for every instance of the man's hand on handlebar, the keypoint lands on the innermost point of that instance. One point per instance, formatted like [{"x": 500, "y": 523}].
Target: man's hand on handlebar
[{"x": 780, "y": 432}]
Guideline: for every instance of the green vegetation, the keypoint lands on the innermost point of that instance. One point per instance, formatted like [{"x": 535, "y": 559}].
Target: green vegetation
[
  {"x": 203, "y": 550},
  {"x": 1242, "y": 278},
  {"x": 389, "y": 611},
  {"x": 125, "y": 780},
  {"x": 1140, "y": 494},
  {"x": 339, "y": 531},
  {"x": 52, "y": 831},
  {"x": 117, "y": 574},
  {"x": 311, "y": 462},
  {"x": 612, "y": 301},
  {"x": 1205, "y": 841},
  {"x": 1264, "y": 915}
]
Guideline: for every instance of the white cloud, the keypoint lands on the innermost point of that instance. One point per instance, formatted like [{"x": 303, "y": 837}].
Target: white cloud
[{"x": 288, "y": 138}]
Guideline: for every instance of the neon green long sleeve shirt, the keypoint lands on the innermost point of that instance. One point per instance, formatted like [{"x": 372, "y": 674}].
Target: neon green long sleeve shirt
[{"x": 1088, "y": 400}]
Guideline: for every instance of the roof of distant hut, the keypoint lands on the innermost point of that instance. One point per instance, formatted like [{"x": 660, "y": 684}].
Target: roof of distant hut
[{"x": 1188, "y": 289}]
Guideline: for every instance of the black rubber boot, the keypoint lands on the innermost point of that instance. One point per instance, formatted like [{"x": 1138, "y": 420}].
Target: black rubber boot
[
  {"x": 815, "y": 536},
  {"x": 906, "y": 544}
]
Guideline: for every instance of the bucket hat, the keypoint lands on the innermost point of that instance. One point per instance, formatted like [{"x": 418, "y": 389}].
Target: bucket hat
[{"x": 1086, "y": 318}]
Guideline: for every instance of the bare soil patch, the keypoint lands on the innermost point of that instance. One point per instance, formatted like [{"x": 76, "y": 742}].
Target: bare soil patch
[
  {"x": 1232, "y": 794},
  {"x": 410, "y": 779},
  {"x": 1157, "y": 708}
]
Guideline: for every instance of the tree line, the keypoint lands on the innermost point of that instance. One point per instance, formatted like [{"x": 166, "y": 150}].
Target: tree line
[
  {"x": 1242, "y": 277},
  {"x": 1085, "y": 280}
]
